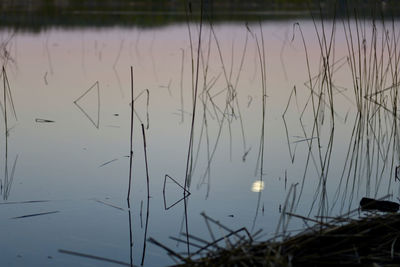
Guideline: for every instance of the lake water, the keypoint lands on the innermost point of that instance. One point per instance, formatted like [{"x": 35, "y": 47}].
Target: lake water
[{"x": 67, "y": 156}]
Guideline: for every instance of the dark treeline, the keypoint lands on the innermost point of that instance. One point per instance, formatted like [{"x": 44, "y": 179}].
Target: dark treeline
[{"x": 35, "y": 15}]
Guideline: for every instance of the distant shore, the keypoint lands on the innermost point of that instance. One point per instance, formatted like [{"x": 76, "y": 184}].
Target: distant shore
[{"x": 41, "y": 14}]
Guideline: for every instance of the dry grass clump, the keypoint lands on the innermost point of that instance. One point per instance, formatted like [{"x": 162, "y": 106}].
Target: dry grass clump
[{"x": 369, "y": 241}]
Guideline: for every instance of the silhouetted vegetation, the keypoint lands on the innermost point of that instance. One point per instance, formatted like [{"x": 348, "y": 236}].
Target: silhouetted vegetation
[{"x": 39, "y": 14}]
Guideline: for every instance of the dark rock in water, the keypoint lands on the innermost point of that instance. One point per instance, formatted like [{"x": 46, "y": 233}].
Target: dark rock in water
[{"x": 380, "y": 205}]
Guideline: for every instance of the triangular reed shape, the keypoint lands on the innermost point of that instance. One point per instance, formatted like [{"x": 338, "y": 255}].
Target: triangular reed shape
[
  {"x": 186, "y": 193},
  {"x": 94, "y": 121}
]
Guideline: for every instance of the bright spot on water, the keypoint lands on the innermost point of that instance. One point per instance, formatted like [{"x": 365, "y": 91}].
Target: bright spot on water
[{"x": 257, "y": 186}]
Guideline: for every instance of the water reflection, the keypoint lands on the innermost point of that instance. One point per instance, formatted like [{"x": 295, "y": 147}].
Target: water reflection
[
  {"x": 257, "y": 186},
  {"x": 333, "y": 144},
  {"x": 8, "y": 178},
  {"x": 5, "y": 185},
  {"x": 94, "y": 117}
]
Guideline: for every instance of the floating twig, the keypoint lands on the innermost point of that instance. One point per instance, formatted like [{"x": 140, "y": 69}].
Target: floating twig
[
  {"x": 35, "y": 214},
  {"x": 94, "y": 257},
  {"x": 108, "y": 204},
  {"x": 108, "y": 162},
  {"x": 43, "y": 121},
  {"x": 24, "y": 202}
]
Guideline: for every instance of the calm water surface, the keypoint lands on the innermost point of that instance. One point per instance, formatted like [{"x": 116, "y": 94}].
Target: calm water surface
[{"x": 77, "y": 165}]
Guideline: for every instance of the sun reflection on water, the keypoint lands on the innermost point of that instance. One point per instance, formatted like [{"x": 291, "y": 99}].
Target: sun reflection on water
[{"x": 257, "y": 186}]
